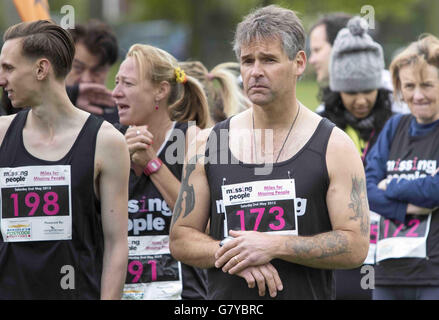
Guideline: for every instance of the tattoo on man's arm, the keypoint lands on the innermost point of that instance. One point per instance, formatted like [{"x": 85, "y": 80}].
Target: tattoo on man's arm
[
  {"x": 325, "y": 245},
  {"x": 186, "y": 192},
  {"x": 359, "y": 204}
]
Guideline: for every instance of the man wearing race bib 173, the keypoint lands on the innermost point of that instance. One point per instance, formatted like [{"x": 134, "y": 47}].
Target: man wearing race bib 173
[
  {"x": 63, "y": 179},
  {"x": 285, "y": 228}
]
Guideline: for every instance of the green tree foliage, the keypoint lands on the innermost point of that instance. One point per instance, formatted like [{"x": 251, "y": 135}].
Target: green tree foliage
[
  {"x": 219, "y": 17},
  {"x": 400, "y": 9}
]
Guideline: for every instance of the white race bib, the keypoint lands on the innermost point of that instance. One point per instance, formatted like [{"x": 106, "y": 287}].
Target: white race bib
[
  {"x": 403, "y": 240},
  {"x": 152, "y": 272},
  {"x": 265, "y": 206},
  {"x": 36, "y": 203}
]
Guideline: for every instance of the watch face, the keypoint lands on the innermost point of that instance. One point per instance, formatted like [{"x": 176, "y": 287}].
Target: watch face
[{"x": 154, "y": 165}]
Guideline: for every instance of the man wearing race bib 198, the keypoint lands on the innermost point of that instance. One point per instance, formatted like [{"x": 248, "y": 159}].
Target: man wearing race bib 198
[
  {"x": 63, "y": 179},
  {"x": 285, "y": 228}
]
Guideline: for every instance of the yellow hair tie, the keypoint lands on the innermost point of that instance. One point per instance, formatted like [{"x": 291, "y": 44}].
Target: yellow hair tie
[{"x": 180, "y": 75}]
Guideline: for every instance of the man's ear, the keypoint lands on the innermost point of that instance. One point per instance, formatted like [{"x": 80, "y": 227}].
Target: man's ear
[
  {"x": 42, "y": 69},
  {"x": 300, "y": 62}
]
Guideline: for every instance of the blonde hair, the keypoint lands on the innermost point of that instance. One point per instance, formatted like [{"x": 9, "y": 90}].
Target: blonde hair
[
  {"x": 420, "y": 53},
  {"x": 222, "y": 88},
  {"x": 187, "y": 101}
]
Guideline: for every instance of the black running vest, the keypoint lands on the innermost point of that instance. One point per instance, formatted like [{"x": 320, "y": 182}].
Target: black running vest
[
  {"x": 60, "y": 269},
  {"x": 148, "y": 235},
  {"x": 422, "y": 153},
  {"x": 308, "y": 169}
]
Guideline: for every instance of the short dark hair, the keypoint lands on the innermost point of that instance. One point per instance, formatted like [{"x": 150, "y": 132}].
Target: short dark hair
[
  {"x": 99, "y": 39},
  {"x": 43, "y": 38},
  {"x": 333, "y": 23}
]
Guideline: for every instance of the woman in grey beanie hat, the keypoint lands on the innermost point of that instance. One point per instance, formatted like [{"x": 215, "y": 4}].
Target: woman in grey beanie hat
[
  {"x": 357, "y": 104},
  {"x": 357, "y": 62}
]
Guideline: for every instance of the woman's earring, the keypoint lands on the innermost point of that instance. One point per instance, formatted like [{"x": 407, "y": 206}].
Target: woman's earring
[{"x": 156, "y": 106}]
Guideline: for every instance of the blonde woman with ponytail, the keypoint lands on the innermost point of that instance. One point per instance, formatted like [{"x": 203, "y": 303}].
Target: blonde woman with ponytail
[
  {"x": 157, "y": 100},
  {"x": 222, "y": 88}
]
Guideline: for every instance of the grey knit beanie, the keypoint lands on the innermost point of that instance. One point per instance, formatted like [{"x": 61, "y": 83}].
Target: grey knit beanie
[{"x": 356, "y": 61}]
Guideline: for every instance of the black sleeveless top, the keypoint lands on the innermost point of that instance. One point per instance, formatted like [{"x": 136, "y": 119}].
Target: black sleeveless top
[
  {"x": 308, "y": 169},
  {"x": 54, "y": 269},
  {"x": 412, "y": 157},
  {"x": 148, "y": 236}
]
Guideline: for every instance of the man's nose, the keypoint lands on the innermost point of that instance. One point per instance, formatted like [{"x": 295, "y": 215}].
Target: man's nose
[
  {"x": 311, "y": 58},
  {"x": 257, "y": 70}
]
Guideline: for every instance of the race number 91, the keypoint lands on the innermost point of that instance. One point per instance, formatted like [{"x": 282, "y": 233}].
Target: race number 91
[{"x": 145, "y": 269}]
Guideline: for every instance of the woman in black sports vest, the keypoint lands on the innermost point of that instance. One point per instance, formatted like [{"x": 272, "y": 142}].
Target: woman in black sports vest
[{"x": 157, "y": 100}]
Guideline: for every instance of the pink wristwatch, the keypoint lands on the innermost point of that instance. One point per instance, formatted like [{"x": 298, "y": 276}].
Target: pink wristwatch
[{"x": 152, "y": 166}]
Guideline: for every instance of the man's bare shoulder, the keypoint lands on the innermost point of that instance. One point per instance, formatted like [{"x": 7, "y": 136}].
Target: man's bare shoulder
[
  {"x": 110, "y": 144},
  {"x": 109, "y": 134},
  {"x": 6, "y": 120},
  {"x": 342, "y": 155},
  {"x": 203, "y": 135},
  {"x": 241, "y": 120},
  {"x": 197, "y": 145},
  {"x": 339, "y": 141}
]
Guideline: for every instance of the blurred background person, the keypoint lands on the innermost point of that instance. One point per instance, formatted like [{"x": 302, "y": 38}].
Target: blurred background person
[
  {"x": 321, "y": 40},
  {"x": 402, "y": 180},
  {"x": 221, "y": 86},
  {"x": 6, "y": 107},
  {"x": 357, "y": 104},
  {"x": 96, "y": 50},
  {"x": 156, "y": 99}
]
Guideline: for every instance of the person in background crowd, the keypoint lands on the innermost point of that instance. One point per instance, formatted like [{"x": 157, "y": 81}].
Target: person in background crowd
[
  {"x": 222, "y": 89},
  {"x": 355, "y": 101},
  {"x": 356, "y": 104},
  {"x": 65, "y": 210},
  {"x": 321, "y": 40},
  {"x": 6, "y": 107},
  {"x": 157, "y": 100},
  {"x": 96, "y": 51},
  {"x": 402, "y": 180}
]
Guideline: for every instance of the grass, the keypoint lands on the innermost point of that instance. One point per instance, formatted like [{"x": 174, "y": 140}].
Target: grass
[{"x": 307, "y": 91}]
